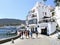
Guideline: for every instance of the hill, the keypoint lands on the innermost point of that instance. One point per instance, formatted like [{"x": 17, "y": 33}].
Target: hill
[{"x": 11, "y": 22}]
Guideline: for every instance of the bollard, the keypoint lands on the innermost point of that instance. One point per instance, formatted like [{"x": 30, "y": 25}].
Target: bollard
[{"x": 12, "y": 41}]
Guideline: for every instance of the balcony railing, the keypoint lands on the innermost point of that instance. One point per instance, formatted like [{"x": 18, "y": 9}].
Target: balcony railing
[
  {"x": 47, "y": 20},
  {"x": 33, "y": 21},
  {"x": 34, "y": 15}
]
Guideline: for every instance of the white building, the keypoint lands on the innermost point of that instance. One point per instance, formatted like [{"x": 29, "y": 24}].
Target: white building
[
  {"x": 57, "y": 15},
  {"x": 40, "y": 18}
]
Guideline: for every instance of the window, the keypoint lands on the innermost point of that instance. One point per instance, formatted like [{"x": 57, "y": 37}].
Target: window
[
  {"x": 36, "y": 29},
  {"x": 33, "y": 21},
  {"x": 52, "y": 13},
  {"x": 45, "y": 13},
  {"x": 52, "y": 20},
  {"x": 33, "y": 11},
  {"x": 45, "y": 20},
  {"x": 33, "y": 15}
]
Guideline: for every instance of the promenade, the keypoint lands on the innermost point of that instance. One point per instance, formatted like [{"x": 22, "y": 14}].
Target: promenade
[{"x": 41, "y": 40}]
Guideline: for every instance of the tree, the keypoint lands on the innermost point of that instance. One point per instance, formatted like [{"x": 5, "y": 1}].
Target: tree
[
  {"x": 57, "y": 2},
  {"x": 44, "y": 0}
]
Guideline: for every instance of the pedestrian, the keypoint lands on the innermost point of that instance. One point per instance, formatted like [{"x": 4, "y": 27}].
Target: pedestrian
[
  {"x": 28, "y": 33},
  {"x": 36, "y": 33},
  {"x": 31, "y": 33},
  {"x": 22, "y": 34}
]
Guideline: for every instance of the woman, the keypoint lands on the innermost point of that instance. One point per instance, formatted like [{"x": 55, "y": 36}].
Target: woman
[{"x": 22, "y": 34}]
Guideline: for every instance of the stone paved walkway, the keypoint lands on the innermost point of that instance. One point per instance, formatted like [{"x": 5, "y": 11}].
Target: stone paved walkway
[{"x": 42, "y": 40}]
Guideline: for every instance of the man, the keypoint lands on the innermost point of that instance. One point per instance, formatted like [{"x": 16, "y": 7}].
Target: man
[{"x": 31, "y": 33}]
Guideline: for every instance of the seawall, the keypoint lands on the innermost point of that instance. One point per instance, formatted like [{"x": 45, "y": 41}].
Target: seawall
[{"x": 4, "y": 40}]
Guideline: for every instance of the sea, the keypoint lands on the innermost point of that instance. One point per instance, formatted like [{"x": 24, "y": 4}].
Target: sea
[{"x": 4, "y": 32}]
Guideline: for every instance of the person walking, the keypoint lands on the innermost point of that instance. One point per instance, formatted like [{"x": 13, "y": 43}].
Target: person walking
[
  {"x": 28, "y": 33},
  {"x": 31, "y": 33},
  {"x": 36, "y": 33},
  {"x": 25, "y": 32},
  {"x": 22, "y": 34}
]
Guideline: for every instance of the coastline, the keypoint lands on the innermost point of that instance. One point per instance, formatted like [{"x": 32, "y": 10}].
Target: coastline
[{"x": 4, "y": 40}]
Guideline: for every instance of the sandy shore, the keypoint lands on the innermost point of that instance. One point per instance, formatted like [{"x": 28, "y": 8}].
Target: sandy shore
[{"x": 42, "y": 40}]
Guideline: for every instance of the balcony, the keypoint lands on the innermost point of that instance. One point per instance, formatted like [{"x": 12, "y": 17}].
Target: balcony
[
  {"x": 47, "y": 20},
  {"x": 33, "y": 21},
  {"x": 32, "y": 16}
]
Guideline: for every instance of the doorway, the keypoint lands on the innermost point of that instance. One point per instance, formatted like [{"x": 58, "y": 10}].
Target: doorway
[
  {"x": 44, "y": 31},
  {"x": 32, "y": 29}
]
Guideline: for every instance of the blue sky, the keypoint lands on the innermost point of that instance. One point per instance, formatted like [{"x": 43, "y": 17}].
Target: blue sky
[{"x": 18, "y": 9}]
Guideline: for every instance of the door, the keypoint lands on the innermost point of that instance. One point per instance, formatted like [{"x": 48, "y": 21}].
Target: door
[
  {"x": 44, "y": 31},
  {"x": 32, "y": 29},
  {"x": 36, "y": 29}
]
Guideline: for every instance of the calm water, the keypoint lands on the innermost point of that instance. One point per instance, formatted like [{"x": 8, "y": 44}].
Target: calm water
[{"x": 4, "y": 32}]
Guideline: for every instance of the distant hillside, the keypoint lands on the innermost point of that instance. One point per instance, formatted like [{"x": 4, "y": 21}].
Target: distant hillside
[{"x": 11, "y": 22}]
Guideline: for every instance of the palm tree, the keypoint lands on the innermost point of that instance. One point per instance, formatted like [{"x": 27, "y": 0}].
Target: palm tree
[{"x": 57, "y": 2}]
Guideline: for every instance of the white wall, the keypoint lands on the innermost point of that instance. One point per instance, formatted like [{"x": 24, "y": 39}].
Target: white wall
[
  {"x": 51, "y": 27},
  {"x": 39, "y": 11},
  {"x": 57, "y": 15},
  {"x": 42, "y": 26}
]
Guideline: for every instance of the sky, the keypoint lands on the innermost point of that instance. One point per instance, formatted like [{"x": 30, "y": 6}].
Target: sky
[{"x": 18, "y": 9}]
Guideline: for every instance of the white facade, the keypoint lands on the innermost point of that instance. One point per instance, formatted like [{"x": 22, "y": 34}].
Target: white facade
[
  {"x": 57, "y": 14},
  {"x": 39, "y": 18}
]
